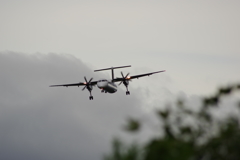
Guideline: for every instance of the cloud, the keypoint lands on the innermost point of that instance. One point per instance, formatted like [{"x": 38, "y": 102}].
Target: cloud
[{"x": 39, "y": 122}]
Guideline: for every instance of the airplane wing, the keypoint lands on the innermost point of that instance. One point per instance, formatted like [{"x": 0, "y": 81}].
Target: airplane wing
[
  {"x": 136, "y": 76},
  {"x": 75, "y": 84}
]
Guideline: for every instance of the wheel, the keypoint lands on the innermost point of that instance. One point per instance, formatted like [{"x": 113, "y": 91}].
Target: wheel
[
  {"x": 91, "y": 98},
  {"x": 127, "y": 93}
]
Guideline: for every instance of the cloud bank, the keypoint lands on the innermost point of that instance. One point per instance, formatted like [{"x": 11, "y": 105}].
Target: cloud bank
[{"x": 39, "y": 122}]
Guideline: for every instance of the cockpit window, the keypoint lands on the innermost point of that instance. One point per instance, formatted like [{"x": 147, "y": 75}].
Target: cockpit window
[{"x": 102, "y": 80}]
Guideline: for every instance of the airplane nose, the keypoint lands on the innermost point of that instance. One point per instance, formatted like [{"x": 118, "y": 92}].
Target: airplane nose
[{"x": 101, "y": 84}]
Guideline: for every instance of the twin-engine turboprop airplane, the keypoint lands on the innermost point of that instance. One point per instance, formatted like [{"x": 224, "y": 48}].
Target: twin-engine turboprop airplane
[{"x": 107, "y": 86}]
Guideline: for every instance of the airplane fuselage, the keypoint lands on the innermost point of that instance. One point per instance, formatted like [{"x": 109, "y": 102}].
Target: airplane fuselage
[{"x": 107, "y": 86}]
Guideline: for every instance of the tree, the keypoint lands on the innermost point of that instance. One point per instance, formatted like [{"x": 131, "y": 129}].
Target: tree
[{"x": 208, "y": 138}]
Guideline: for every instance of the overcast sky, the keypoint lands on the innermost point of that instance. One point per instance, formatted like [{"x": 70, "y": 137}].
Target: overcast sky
[
  {"x": 39, "y": 122},
  {"x": 195, "y": 42},
  {"x": 53, "y": 42}
]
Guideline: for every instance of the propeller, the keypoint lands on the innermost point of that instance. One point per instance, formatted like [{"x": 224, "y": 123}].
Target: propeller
[
  {"x": 87, "y": 83},
  {"x": 125, "y": 78}
]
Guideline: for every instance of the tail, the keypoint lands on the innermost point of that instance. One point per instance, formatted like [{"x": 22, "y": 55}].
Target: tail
[{"x": 112, "y": 68}]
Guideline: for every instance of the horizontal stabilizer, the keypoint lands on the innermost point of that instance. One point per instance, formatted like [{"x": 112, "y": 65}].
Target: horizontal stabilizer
[{"x": 111, "y": 68}]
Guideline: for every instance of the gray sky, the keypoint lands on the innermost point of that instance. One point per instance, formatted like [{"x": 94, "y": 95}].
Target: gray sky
[
  {"x": 55, "y": 42},
  {"x": 195, "y": 42}
]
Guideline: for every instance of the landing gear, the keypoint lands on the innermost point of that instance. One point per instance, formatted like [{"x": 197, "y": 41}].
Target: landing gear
[
  {"x": 125, "y": 80},
  {"x": 103, "y": 91},
  {"x": 127, "y": 92},
  {"x": 90, "y": 97},
  {"x": 88, "y": 85}
]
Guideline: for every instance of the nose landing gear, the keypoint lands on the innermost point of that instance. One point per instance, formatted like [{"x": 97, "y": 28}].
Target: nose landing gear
[{"x": 103, "y": 91}]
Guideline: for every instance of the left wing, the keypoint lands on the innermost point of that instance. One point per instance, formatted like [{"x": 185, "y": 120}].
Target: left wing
[{"x": 136, "y": 76}]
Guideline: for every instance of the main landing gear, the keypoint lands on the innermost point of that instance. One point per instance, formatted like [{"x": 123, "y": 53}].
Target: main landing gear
[
  {"x": 125, "y": 81},
  {"x": 90, "y": 97},
  {"x": 88, "y": 85},
  {"x": 127, "y": 92}
]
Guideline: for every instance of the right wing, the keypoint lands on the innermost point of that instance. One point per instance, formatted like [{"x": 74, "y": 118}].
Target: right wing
[{"x": 75, "y": 84}]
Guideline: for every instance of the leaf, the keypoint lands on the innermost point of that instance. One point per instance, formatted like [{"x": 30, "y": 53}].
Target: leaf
[
  {"x": 163, "y": 114},
  {"x": 186, "y": 130},
  {"x": 133, "y": 125},
  {"x": 225, "y": 91},
  {"x": 212, "y": 101}
]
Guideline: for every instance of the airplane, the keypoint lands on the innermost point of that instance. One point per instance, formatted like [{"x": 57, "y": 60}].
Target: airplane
[{"x": 107, "y": 86}]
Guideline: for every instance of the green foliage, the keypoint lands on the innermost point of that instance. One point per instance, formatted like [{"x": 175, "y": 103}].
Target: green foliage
[
  {"x": 206, "y": 138},
  {"x": 132, "y": 125},
  {"x": 163, "y": 114},
  {"x": 226, "y": 144},
  {"x": 168, "y": 148},
  {"x": 122, "y": 152},
  {"x": 211, "y": 101}
]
